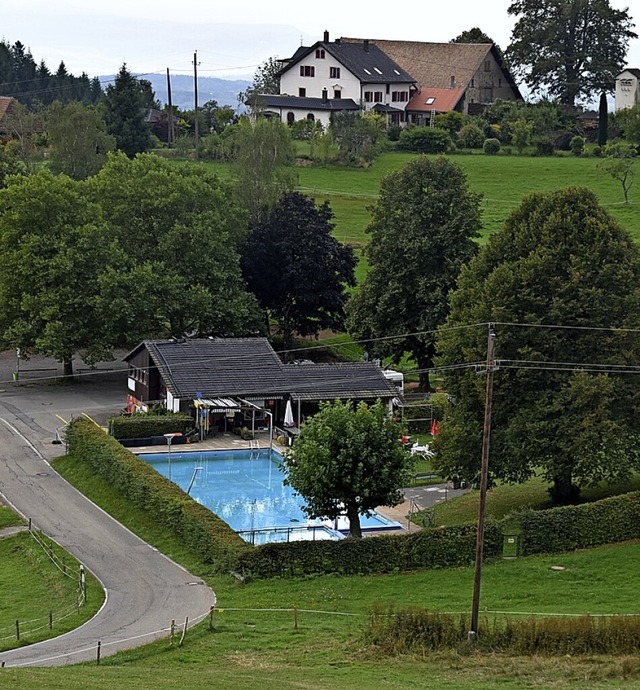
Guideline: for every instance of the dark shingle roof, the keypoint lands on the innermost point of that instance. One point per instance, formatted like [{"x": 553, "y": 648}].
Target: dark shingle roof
[
  {"x": 365, "y": 60},
  {"x": 632, "y": 70},
  {"x": 249, "y": 367},
  {"x": 333, "y": 104}
]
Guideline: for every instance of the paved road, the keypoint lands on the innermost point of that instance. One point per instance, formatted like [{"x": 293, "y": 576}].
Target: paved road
[{"x": 145, "y": 590}]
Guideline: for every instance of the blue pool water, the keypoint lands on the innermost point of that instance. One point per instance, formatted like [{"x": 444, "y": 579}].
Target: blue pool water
[{"x": 245, "y": 488}]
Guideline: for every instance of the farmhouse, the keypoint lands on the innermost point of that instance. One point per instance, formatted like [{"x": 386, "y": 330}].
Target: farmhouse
[
  {"x": 450, "y": 76},
  {"x": 628, "y": 89},
  {"x": 242, "y": 379},
  {"x": 332, "y": 76},
  {"x": 6, "y": 103}
]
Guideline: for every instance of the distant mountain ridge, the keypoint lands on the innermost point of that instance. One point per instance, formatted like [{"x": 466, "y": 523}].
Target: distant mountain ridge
[{"x": 224, "y": 91}]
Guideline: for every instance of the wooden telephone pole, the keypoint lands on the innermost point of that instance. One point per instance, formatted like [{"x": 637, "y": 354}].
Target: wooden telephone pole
[
  {"x": 484, "y": 472},
  {"x": 170, "y": 133},
  {"x": 195, "y": 100}
]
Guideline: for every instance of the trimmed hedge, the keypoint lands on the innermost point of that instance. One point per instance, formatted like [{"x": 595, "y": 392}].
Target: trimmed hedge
[
  {"x": 430, "y": 548},
  {"x": 144, "y": 426},
  {"x": 209, "y": 536},
  {"x": 567, "y": 528}
]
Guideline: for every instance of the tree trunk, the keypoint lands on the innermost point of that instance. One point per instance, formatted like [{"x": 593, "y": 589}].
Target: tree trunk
[
  {"x": 67, "y": 364},
  {"x": 353, "y": 514},
  {"x": 563, "y": 491}
]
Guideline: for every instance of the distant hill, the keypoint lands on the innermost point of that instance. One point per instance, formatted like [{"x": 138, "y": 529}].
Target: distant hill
[{"x": 224, "y": 91}]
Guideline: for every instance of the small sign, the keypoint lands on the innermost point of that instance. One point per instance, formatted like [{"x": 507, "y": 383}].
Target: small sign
[{"x": 199, "y": 395}]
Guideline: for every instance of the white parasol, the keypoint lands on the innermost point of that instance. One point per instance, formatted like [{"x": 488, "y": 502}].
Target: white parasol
[{"x": 288, "y": 415}]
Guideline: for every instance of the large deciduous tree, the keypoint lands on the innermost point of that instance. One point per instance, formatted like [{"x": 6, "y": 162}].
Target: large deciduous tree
[
  {"x": 53, "y": 248},
  {"x": 181, "y": 231},
  {"x": 348, "y": 460},
  {"x": 559, "y": 408},
  {"x": 79, "y": 141},
  {"x": 421, "y": 235},
  {"x": 297, "y": 269},
  {"x": 569, "y": 48},
  {"x": 125, "y": 103}
]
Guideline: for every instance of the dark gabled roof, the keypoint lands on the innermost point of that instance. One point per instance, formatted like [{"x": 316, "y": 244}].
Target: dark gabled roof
[
  {"x": 631, "y": 70},
  {"x": 249, "y": 367},
  {"x": 346, "y": 380},
  {"x": 383, "y": 108},
  {"x": 365, "y": 61},
  {"x": 283, "y": 101}
]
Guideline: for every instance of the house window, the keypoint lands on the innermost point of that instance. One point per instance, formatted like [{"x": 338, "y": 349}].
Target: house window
[
  {"x": 368, "y": 96},
  {"x": 319, "y": 54},
  {"x": 453, "y": 82},
  {"x": 337, "y": 93},
  {"x": 397, "y": 96},
  {"x": 388, "y": 89},
  {"x": 310, "y": 117},
  {"x": 302, "y": 92},
  {"x": 291, "y": 118},
  {"x": 487, "y": 65},
  {"x": 472, "y": 83},
  {"x": 430, "y": 101},
  {"x": 334, "y": 73},
  {"x": 499, "y": 81},
  {"x": 377, "y": 96},
  {"x": 307, "y": 71}
]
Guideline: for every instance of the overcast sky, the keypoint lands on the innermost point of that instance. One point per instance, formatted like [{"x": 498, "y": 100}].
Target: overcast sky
[{"x": 233, "y": 37}]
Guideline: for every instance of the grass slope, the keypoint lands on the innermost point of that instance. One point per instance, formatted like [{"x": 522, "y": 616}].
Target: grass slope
[{"x": 31, "y": 586}]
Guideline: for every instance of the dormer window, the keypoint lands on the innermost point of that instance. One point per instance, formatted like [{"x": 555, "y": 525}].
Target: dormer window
[{"x": 319, "y": 54}]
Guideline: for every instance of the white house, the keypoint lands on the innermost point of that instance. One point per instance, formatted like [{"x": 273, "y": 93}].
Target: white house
[
  {"x": 628, "y": 89},
  {"x": 333, "y": 76}
]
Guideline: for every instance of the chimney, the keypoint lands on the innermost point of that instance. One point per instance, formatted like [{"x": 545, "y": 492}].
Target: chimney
[
  {"x": 326, "y": 37},
  {"x": 325, "y": 95},
  {"x": 365, "y": 45}
]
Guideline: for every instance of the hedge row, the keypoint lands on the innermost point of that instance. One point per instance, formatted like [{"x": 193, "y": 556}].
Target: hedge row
[
  {"x": 430, "y": 548},
  {"x": 202, "y": 531},
  {"x": 579, "y": 527},
  {"x": 143, "y": 426}
]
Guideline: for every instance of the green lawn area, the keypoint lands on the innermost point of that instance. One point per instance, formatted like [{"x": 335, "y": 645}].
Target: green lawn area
[
  {"x": 501, "y": 180},
  {"x": 8, "y": 518},
  {"x": 31, "y": 586},
  {"x": 252, "y": 646}
]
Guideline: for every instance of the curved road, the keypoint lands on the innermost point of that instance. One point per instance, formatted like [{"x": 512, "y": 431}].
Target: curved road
[{"x": 145, "y": 590}]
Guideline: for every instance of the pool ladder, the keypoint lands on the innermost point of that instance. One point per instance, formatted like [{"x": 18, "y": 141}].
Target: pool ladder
[{"x": 255, "y": 446}]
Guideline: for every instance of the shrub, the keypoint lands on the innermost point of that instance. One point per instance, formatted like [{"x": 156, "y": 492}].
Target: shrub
[
  {"x": 563, "y": 141},
  {"x": 577, "y": 145},
  {"x": 471, "y": 137},
  {"x": 452, "y": 121},
  {"x": 544, "y": 147},
  {"x": 491, "y": 147},
  {"x": 150, "y": 424},
  {"x": 425, "y": 140},
  {"x": 211, "y": 538},
  {"x": 393, "y": 132},
  {"x": 567, "y": 528}
]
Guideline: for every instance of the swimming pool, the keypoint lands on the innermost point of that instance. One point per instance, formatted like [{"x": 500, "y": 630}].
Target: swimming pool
[{"x": 246, "y": 489}]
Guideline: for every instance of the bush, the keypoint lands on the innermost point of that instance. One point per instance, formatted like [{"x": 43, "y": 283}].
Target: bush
[
  {"x": 199, "y": 529},
  {"x": 150, "y": 424},
  {"x": 577, "y": 145},
  {"x": 491, "y": 147},
  {"x": 452, "y": 121},
  {"x": 471, "y": 137},
  {"x": 563, "y": 141},
  {"x": 544, "y": 147},
  {"x": 430, "y": 548},
  {"x": 425, "y": 140},
  {"x": 393, "y": 132},
  {"x": 579, "y": 527}
]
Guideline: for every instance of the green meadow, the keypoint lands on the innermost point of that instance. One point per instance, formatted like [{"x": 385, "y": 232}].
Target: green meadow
[{"x": 501, "y": 180}]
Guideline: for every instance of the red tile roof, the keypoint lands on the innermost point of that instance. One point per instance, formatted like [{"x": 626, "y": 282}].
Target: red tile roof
[{"x": 440, "y": 100}]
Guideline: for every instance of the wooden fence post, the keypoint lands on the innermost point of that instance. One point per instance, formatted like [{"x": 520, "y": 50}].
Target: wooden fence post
[
  {"x": 98, "y": 653},
  {"x": 295, "y": 619},
  {"x": 50, "y": 619},
  {"x": 173, "y": 631},
  {"x": 17, "y": 630},
  {"x": 211, "y": 618}
]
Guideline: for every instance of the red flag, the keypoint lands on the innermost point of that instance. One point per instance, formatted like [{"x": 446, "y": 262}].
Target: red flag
[{"x": 434, "y": 428}]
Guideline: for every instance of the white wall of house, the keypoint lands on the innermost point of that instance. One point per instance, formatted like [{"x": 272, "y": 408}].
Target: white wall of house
[
  {"x": 627, "y": 90},
  {"x": 346, "y": 83},
  {"x": 395, "y": 95}
]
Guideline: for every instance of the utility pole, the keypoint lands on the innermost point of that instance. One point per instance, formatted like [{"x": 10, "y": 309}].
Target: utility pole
[
  {"x": 195, "y": 100},
  {"x": 486, "y": 436},
  {"x": 170, "y": 137}
]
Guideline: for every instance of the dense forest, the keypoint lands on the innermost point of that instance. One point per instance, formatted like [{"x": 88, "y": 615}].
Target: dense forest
[{"x": 34, "y": 84}]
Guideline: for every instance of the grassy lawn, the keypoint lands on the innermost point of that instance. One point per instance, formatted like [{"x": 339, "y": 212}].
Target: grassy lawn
[
  {"x": 501, "y": 180},
  {"x": 31, "y": 586},
  {"x": 251, "y": 646},
  {"x": 8, "y": 518}
]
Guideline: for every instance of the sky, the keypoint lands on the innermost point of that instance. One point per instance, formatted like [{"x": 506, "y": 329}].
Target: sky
[{"x": 233, "y": 37}]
